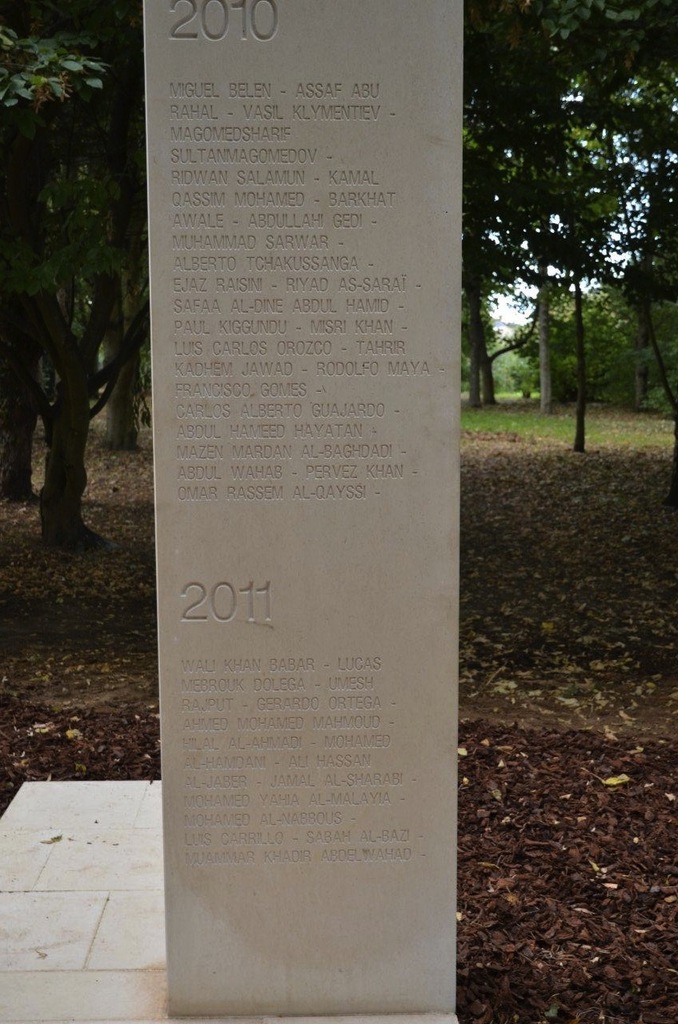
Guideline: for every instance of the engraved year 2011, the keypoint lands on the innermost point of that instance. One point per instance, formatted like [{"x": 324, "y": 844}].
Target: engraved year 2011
[
  {"x": 210, "y": 19},
  {"x": 223, "y": 602}
]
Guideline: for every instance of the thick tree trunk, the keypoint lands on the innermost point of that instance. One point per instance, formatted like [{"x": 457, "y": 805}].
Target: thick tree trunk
[
  {"x": 66, "y": 477},
  {"x": 580, "y": 431},
  {"x": 545, "y": 390},
  {"x": 65, "y": 482},
  {"x": 17, "y": 426}
]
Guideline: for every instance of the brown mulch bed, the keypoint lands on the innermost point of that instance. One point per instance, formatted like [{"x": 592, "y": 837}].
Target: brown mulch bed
[
  {"x": 42, "y": 742},
  {"x": 568, "y": 878},
  {"x": 568, "y": 857}
]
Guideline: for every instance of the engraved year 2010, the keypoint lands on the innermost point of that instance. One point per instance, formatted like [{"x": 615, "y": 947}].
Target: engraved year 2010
[
  {"x": 209, "y": 19},
  {"x": 223, "y": 602}
]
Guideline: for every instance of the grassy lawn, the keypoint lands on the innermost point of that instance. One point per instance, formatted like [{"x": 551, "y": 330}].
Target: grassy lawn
[{"x": 605, "y": 426}]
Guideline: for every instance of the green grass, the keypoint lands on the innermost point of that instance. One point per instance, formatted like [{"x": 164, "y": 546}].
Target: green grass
[{"x": 605, "y": 426}]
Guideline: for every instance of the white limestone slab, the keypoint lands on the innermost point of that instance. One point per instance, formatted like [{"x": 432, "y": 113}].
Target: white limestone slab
[
  {"x": 150, "y": 811},
  {"x": 46, "y": 974},
  {"x": 59, "y": 805},
  {"x": 131, "y": 935},
  {"x": 304, "y": 169},
  {"x": 23, "y": 856},
  {"x": 104, "y": 860},
  {"x": 82, "y": 996},
  {"x": 47, "y": 931}
]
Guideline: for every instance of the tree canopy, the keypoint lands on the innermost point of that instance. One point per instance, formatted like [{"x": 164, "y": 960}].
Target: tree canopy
[
  {"x": 71, "y": 202},
  {"x": 570, "y": 182}
]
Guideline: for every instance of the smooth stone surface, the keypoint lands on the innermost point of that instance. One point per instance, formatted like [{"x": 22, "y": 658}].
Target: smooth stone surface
[
  {"x": 304, "y": 173},
  {"x": 131, "y": 934},
  {"x": 48, "y": 931},
  {"x": 22, "y": 858},
  {"x": 112, "y": 942},
  {"x": 81, "y": 903},
  {"x": 82, "y": 996},
  {"x": 112, "y": 859},
  {"x": 87, "y": 805}
]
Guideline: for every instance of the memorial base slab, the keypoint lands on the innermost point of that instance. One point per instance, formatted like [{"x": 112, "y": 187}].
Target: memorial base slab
[{"x": 82, "y": 931}]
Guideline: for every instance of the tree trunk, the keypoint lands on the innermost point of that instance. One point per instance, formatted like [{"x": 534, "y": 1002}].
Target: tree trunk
[
  {"x": 65, "y": 474},
  {"x": 642, "y": 348},
  {"x": 545, "y": 390},
  {"x": 580, "y": 431},
  {"x": 121, "y": 426},
  {"x": 17, "y": 426},
  {"x": 671, "y": 498},
  {"x": 121, "y": 421},
  {"x": 475, "y": 324},
  {"x": 486, "y": 375}
]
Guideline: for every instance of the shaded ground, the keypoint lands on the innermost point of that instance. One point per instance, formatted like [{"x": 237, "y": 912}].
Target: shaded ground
[
  {"x": 569, "y": 587},
  {"x": 568, "y": 875},
  {"x": 81, "y": 629}
]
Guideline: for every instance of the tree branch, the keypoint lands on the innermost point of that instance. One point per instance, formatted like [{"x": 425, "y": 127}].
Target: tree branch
[
  {"x": 134, "y": 338},
  {"x": 661, "y": 366},
  {"x": 38, "y": 396},
  {"x": 521, "y": 341}
]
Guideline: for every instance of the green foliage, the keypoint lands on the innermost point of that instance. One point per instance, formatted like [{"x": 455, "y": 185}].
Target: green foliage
[
  {"x": 72, "y": 212},
  {"x": 609, "y": 326},
  {"x": 516, "y": 373},
  {"x": 35, "y": 72},
  {"x": 666, "y": 329}
]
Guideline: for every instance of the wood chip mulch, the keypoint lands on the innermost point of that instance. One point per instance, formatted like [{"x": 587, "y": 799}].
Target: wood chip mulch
[{"x": 568, "y": 857}]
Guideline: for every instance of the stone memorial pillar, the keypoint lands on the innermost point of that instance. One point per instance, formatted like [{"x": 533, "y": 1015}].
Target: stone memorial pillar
[{"x": 304, "y": 169}]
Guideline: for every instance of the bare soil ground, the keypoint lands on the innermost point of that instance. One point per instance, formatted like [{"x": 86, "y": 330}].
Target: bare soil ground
[
  {"x": 568, "y": 873},
  {"x": 569, "y": 587}
]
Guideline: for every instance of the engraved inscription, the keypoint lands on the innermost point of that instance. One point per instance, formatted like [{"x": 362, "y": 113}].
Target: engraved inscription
[
  {"x": 210, "y": 19},
  {"x": 223, "y": 601},
  {"x": 291, "y": 368}
]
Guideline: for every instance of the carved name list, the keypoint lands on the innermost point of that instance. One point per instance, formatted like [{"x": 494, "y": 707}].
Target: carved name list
[{"x": 303, "y": 167}]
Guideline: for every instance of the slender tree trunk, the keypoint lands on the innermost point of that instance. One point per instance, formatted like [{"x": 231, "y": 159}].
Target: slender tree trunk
[
  {"x": 122, "y": 421},
  {"x": 580, "y": 431},
  {"x": 18, "y": 419},
  {"x": 642, "y": 348},
  {"x": 473, "y": 296},
  {"x": 671, "y": 498},
  {"x": 544, "y": 303},
  {"x": 480, "y": 372},
  {"x": 486, "y": 375},
  {"x": 121, "y": 426}
]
